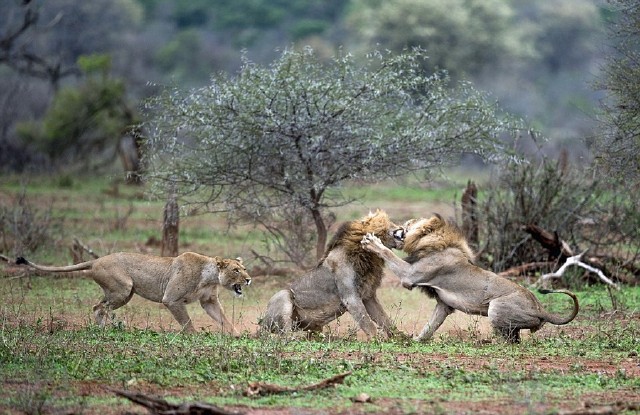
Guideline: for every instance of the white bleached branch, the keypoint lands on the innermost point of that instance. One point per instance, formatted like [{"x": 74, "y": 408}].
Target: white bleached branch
[{"x": 576, "y": 260}]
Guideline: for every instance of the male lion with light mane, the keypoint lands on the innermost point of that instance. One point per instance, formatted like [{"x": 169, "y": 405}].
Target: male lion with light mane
[
  {"x": 441, "y": 263},
  {"x": 345, "y": 279},
  {"x": 171, "y": 281}
]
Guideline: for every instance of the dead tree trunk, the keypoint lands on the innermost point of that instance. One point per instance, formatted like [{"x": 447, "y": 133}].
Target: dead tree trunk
[
  {"x": 170, "y": 226},
  {"x": 556, "y": 247},
  {"x": 470, "y": 213}
]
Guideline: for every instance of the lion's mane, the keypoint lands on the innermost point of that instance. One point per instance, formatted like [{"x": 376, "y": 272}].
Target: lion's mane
[
  {"x": 349, "y": 237},
  {"x": 433, "y": 235}
]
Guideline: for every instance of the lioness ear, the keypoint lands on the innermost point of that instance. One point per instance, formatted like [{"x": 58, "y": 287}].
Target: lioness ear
[{"x": 239, "y": 259}]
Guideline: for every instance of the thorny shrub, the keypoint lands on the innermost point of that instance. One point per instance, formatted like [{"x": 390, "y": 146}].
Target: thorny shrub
[
  {"x": 24, "y": 227},
  {"x": 586, "y": 212}
]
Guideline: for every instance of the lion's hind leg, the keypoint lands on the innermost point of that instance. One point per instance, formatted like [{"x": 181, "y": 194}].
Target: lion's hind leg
[
  {"x": 111, "y": 301},
  {"x": 510, "y": 334},
  {"x": 279, "y": 315},
  {"x": 508, "y": 316}
]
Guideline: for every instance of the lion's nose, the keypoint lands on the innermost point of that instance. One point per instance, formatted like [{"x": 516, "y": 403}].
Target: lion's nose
[{"x": 248, "y": 280}]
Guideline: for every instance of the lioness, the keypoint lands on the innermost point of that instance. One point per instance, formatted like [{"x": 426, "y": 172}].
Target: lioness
[
  {"x": 173, "y": 282},
  {"x": 345, "y": 279},
  {"x": 441, "y": 263}
]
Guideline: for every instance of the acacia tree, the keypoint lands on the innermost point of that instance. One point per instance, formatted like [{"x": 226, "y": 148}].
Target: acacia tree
[{"x": 269, "y": 144}]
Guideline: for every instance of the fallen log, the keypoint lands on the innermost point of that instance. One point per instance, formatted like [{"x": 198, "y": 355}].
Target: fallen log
[
  {"x": 550, "y": 241},
  {"x": 77, "y": 250},
  {"x": 526, "y": 268},
  {"x": 159, "y": 406}
]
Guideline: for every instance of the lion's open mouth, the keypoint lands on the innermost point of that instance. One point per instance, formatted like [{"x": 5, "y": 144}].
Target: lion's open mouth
[
  {"x": 237, "y": 288},
  {"x": 398, "y": 236}
]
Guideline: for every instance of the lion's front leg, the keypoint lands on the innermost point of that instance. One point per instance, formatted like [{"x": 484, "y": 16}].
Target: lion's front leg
[
  {"x": 372, "y": 243},
  {"x": 214, "y": 309},
  {"x": 440, "y": 313},
  {"x": 354, "y": 304},
  {"x": 179, "y": 312},
  {"x": 358, "y": 311},
  {"x": 377, "y": 313}
]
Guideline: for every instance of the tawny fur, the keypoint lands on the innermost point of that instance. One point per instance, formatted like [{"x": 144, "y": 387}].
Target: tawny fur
[
  {"x": 173, "y": 282},
  {"x": 345, "y": 279},
  {"x": 442, "y": 264}
]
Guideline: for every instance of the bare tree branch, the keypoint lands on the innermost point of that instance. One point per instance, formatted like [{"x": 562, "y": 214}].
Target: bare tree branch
[{"x": 576, "y": 260}]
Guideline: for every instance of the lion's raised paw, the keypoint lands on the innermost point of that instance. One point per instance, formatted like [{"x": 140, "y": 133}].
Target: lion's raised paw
[{"x": 371, "y": 241}]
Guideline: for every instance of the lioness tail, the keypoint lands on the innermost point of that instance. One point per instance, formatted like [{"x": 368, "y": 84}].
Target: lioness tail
[
  {"x": 559, "y": 320},
  {"x": 77, "y": 267}
]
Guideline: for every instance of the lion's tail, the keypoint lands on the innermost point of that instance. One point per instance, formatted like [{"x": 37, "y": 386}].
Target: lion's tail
[
  {"x": 77, "y": 267},
  {"x": 559, "y": 320}
]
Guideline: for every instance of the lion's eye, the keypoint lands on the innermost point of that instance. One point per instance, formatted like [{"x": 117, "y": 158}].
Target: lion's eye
[{"x": 399, "y": 234}]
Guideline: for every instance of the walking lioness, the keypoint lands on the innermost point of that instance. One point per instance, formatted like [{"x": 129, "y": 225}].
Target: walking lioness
[
  {"x": 171, "y": 281},
  {"x": 441, "y": 263}
]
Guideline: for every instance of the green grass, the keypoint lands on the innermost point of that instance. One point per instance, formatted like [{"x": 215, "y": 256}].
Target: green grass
[
  {"x": 50, "y": 350},
  {"x": 208, "y": 361},
  {"x": 51, "y": 360}
]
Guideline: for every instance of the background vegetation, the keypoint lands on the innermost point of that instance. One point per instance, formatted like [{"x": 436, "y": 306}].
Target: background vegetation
[
  {"x": 76, "y": 76},
  {"x": 538, "y": 60}
]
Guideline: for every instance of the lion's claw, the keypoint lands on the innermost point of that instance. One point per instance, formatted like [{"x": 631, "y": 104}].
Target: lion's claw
[{"x": 370, "y": 241}]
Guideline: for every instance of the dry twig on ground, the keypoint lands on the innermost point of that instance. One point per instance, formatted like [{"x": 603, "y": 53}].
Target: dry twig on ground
[{"x": 261, "y": 389}]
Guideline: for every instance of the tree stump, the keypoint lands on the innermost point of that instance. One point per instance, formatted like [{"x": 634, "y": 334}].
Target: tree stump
[
  {"x": 470, "y": 214},
  {"x": 170, "y": 226}
]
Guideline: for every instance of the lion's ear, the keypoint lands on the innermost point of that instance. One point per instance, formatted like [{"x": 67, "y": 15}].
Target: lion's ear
[
  {"x": 239, "y": 259},
  {"x": 433, "y": 223},
  {"x": 221, "y": 262}
]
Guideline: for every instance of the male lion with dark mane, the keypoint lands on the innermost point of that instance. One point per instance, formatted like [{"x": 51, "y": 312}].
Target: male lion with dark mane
[
  {"x": 441, "y": 263},
  {"x": 171, "y": 281},
  {"x": 345, "y": 279}
]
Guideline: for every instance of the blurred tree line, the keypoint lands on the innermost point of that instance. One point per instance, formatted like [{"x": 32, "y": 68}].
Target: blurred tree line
[{"x": 537, "y": 58}]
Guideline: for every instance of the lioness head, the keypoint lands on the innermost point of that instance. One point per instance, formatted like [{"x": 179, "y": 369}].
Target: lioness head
[{"x": 233, "y": 275}]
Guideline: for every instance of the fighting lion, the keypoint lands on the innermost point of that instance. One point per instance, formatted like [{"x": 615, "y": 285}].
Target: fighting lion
[
  {"x": 441, "y": 263},
  {"x": 345, "y": 279},
  {"x": 172, "y": 281}
]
